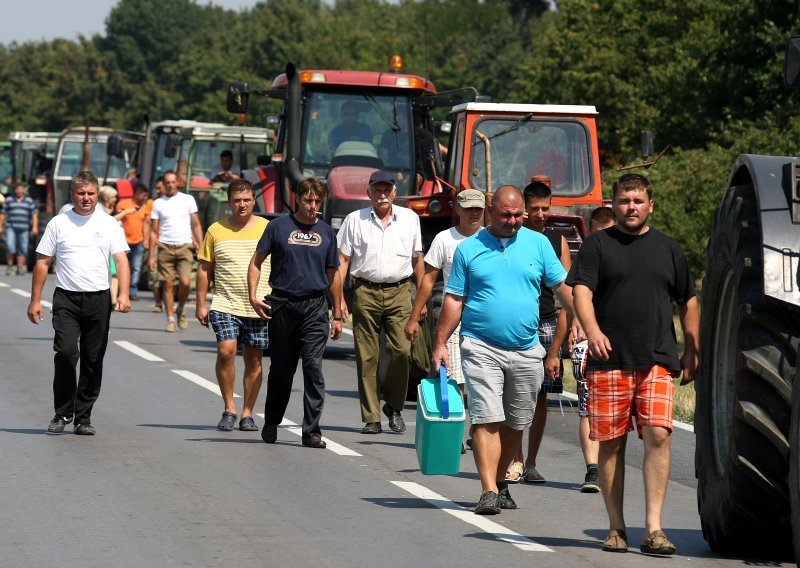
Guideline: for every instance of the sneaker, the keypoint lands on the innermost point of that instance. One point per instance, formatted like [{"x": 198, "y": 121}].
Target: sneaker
[
  {"x": 183, "y": 321},
  {"x": 227, "y": 422},
  {"x": 20, "y": 271},
  {"x": 505, "y": 500},
  {"x": 171, "y": 327},
  {"x": 396, "y": 422},
  {"x": 590, "y": 483},
  {"x": 489, "y": 504},
  {"x": 157, "y": 309},
  {"x": 84, "y": 430},
  {"x": 657, "y": 544},
  {"x": 57, "y": 424},
  {"x": 8, "y": 270}
]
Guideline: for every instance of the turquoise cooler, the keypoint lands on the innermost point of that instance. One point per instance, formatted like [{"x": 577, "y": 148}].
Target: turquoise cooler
[{"x": 440, "y": 426}]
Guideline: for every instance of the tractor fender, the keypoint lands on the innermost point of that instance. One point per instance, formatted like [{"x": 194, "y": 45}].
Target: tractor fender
[{"x": 774, "y": 183}]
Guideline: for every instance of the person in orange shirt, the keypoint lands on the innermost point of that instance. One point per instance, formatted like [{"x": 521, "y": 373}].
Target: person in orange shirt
[{"x": 137, "y": 237}]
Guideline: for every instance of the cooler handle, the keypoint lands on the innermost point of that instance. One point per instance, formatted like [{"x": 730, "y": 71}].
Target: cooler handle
[{"x": 443, "y": 389}]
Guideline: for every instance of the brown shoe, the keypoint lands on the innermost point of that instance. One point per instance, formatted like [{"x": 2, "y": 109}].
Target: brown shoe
[
  {"x": 170, "y": 326},
  {"x": 657, "y": 544},
  {"x": 616, "y": 541},
  {"x": 314, "y": 441}
]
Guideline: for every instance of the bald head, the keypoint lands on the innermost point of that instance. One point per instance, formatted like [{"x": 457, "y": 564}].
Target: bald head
[{"x": 507, "y": 211}]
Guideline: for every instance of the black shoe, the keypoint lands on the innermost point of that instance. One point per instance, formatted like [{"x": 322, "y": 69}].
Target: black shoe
[
  {"x": 269, "y": 433},
  {"x": 57, "y": 424},
  {"x": 314, "y": 441},
  {"x": 489, "y": 504},
  {"x": 84, "y": 430},
  {"x": 372, "y": 428},
  {"x": 227, "y": 422},
  {"x": 396, "y": 422},
  {"x": 590, "y": 483},
  {"x": 504, "y": 497}
]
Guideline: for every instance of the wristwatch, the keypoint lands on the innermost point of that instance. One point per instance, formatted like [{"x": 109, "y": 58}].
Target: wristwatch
[{"x": 334, "y": 318}]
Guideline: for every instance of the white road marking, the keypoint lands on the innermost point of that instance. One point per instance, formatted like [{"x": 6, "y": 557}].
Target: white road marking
[
  {"x": 335, "y": 447},
  {"x": 495, "y": 529},
  {"x": 5, "y": 285},
  {"x": 200, "y": 381},
  {"x": 146, "y": 355},
  {"x": 27, "y": 295}
]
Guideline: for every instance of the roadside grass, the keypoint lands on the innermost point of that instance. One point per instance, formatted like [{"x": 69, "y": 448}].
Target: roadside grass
[{"x": 684, "y": 400}]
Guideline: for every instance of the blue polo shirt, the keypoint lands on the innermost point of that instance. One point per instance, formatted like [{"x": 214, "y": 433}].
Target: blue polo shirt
[{"x": 501, "y": 285}]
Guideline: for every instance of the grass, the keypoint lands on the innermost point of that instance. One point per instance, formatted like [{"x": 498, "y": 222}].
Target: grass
[{"x": 684, "y": 400}]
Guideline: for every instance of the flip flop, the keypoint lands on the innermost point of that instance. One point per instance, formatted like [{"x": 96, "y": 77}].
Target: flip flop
[{"x": 514, "y": 472}]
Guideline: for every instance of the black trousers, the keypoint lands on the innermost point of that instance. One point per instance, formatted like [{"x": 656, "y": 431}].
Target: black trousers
[
  {"x": 298, "y": 329},
  {"x": 84, "y": 316}
]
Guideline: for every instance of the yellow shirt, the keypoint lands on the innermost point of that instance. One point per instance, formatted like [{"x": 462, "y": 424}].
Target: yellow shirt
[{"x": 230, "y": 250}]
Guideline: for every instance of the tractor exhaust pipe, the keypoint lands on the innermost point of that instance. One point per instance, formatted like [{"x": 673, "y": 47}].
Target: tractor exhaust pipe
[{"x": 293, "y": 116}]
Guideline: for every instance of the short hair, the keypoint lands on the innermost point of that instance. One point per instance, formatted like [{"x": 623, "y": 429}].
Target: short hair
[
  {"x": 140, "y": 188},
  {"x": 239, "y": 185},
  {"x": 601, "y": 216},
  {"x": 20, "y": 184},
  {"x": 159, "y": 179},
  {"x": 537, "y": 190},
  {"x": 226, "y": 154},
  {"x": 106, "y": 193},
  {"x": 84, "y": 177},
  {"x": 632, "y": 182},
  {"x": 166, "y": 173},
  {"x": 312, "y": 185}
]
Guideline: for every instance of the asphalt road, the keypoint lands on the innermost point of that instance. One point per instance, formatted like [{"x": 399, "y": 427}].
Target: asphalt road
[{"x": 160, "y": 486}]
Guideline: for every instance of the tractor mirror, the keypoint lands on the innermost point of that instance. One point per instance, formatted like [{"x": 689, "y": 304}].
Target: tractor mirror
[
  {"x": 792, "y": 68},
  {"x": 647, "y": 144},
  {"x": 172, "y": 145},
  {"x": 115, "y": 146},
  {"x": 445, "y": 126},
  {"x": 431, "y": 156},
  {"x": 238, "y": 97}
]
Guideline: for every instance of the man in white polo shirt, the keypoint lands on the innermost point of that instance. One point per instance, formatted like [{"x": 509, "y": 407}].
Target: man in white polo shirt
[
  {"x": 83, "y": 239},
  {"x": 381, "y": 245},
  {"x": 175, "y": 231}
]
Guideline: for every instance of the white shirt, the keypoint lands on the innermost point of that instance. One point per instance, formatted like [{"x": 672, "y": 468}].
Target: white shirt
[
  {"x": 443, "y": 247},
  {"x": 377, "y": 254},
  {"x": 82, "y": 245},
  {"x": 174, "y": 216}
]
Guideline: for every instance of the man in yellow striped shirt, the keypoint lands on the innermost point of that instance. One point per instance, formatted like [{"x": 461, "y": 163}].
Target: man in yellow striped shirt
[{"x": 224, "y": 258}]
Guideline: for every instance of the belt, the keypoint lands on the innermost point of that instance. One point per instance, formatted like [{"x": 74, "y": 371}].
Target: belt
[
  {"x": 175, "y": 246},
  {"x": 294, "y": 298},
  {"x": 383, "y": 284}
]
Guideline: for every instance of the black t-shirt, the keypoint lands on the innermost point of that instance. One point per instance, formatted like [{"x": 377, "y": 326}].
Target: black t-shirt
[
  {"x": 299, "y": 255},
  {"x": 547, "y": 301},
  {"x": 634, "y": 279}
]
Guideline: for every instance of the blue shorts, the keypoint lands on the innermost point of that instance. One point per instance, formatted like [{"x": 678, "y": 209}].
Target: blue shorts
[
  {"x": 16, "y": 241},
  {"x": 547, "y": 329},
  {"x": 227, "y": 327}
]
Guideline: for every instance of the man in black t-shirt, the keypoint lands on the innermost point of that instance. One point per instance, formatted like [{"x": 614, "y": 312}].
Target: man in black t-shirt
[
  {"x": 624, "y": 282},
  {"x": 303, "y": 266}
]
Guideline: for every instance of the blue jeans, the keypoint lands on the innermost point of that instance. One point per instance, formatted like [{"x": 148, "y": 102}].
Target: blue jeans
[
  {"x": 135, "y": 257},
  {"x": 16, "y": 241}
]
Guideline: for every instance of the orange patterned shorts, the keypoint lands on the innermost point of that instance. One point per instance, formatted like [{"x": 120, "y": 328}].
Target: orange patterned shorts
[{"x": 616, "y": 396}]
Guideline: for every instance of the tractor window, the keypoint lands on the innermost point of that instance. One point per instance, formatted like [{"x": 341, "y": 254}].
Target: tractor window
[
  {"x": 521, "y": 149},
  {"x": 5, "y": 169},
  {"x": 206, "y": 160},
  {"x": 72, "y": 160},
  {"x": 358, "y": 129}
]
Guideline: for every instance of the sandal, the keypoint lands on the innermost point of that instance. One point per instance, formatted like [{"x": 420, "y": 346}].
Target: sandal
[
  {"x": 533, "y": 476},
  {"x": 616, "y": 541},
  {"x": 514, "y": 472},
  {"x": 657, "y": 544}
]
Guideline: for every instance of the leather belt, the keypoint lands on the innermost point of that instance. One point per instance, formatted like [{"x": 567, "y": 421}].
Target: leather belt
[{"x": 383, "y": 284}]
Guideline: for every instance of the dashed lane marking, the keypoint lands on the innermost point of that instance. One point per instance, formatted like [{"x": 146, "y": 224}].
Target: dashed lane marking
[
  {"x": 335, "y": 447},
  {"x": 136, "y": 350},
  {"x": 5, "y": 285},
  {"x": 27, "y": 295},
  {"x": 200, "y": 381},
  {"x": 483, "y": 523}
]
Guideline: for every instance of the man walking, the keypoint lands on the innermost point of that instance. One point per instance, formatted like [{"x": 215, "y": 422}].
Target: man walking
[
  {"x": 133, "y": 224},
  {"x": 625, "y": 280},
  {"x": 83, "y": 239},
  {"x": 381, "y": 245},
  {"x": 19, "y": 219},
  {"x": 175, "y": 232},
  {"x": 494, "y": 290},
  {"x": 225, "y": 257},
  {"x": 303, "y": 259}
]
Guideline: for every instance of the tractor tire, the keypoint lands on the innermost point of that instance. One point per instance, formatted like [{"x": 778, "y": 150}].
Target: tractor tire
[
  {"x": 748, "y": 353},
  {"x": 794, "y": 466}
]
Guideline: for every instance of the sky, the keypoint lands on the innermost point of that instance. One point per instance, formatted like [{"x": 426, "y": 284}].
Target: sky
[{"x": 37, "y": 20}]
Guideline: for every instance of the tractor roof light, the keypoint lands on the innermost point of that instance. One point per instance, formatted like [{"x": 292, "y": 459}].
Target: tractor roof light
[
  {"x": 396, "y": 64},
  {"x": 309, "y": 77}
]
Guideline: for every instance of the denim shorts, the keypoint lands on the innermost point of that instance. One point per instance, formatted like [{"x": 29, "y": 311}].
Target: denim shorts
[
  {"x": 227, "y": 327},
  {"x": 16, "y": 241}
]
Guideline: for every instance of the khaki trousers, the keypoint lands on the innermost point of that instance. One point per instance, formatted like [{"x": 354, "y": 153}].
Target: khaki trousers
[{"x": 375, "y": 308}]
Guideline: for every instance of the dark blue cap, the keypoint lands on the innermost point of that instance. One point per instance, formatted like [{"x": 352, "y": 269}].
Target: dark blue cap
[{"x": 381, "y": 177}]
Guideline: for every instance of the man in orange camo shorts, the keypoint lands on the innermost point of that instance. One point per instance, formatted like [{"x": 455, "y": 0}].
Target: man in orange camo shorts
[{"x": 624, "y": 280}]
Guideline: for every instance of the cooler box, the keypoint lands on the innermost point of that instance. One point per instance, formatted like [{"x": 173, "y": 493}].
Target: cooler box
[{"x": 440, "y": 426}]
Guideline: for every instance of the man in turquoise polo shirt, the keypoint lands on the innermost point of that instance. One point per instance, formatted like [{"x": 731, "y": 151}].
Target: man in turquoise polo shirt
[{"x": 494, "y": 290}]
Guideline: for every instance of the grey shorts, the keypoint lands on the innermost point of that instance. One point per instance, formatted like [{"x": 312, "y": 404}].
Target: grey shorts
[{"x": 502, "y": 385}]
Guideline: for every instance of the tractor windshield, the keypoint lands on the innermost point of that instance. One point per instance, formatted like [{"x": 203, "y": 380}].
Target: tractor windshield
[
  {"x": 521, "y": 148},
  {"x": 71, "y": 160},
  {"x": 6, "y": 172},
  {"x": 205, "y": 156},
  {"x": 359, "y": 129}
]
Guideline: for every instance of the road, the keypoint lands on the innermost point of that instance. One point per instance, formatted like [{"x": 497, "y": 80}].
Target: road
[{"x": 160, "y": 486}]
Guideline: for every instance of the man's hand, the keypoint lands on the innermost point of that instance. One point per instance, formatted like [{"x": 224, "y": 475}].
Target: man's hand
[
  {"x": 123, "y": 304},
  {"x": 689, "y": 364},
  {"x": 441, "y": 357},
  {"x": 599, "y": 346},
  {"x": 201, "y": 313},
  {"x": 411, "y": 329},
  {"x": 263, "y": 309},
  {"x": 336, "y": 329},
  {"x": 552, "y": 365},
  {"x": 345, "y": 311},
  {"x": 35, "y": 312}
]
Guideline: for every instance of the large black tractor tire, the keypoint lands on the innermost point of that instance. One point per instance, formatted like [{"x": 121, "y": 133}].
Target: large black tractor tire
[
  {"x": 794, "y": 466},
  {"x": 748, "y": 358}
]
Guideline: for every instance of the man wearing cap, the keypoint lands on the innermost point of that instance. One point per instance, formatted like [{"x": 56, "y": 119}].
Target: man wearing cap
[
  {"x": 381, "y": 246},
  {"x": 470, "y": 205},
  {"x": 225, "y": 173}
]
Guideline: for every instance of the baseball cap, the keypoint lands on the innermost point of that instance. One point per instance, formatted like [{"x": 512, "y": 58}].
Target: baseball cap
[
  {"x": 471, "y": 198},
  {"x": 381, "y": 177}
]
